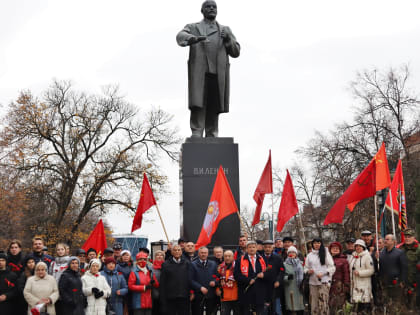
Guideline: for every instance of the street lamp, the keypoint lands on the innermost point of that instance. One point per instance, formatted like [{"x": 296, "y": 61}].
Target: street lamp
[{"x": 270, "y": 222}]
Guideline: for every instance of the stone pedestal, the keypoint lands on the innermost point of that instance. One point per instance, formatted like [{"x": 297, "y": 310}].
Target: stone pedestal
[{"x": 199, "y": 163}]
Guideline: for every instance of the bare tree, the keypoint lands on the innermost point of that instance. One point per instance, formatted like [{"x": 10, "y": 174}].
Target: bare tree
[{"x": 85, "y": 152}]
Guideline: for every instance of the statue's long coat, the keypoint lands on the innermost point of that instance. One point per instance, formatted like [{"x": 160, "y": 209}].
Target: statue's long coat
[{"x": 197, "y": 64}]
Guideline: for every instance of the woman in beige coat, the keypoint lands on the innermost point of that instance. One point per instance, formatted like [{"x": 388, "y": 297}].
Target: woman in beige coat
[
  {"x": 41, "y": 289},
  {"x": 361, "y": 271}
]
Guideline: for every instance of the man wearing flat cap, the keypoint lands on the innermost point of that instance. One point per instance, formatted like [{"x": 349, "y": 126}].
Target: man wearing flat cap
[
  {"x": 412, "y": 251},
  {"x": 368, "y": 238},
  {"x": 211, "y": 44}
]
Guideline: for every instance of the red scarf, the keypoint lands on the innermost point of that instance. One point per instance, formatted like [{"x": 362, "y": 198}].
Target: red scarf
[
  {"x": 222, "y": 271},
  {"x": 157, "y": 264},
  {"x": 245, "y": 265}
]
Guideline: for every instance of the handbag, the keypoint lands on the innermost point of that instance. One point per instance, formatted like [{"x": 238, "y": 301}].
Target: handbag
[{"x": 109, "y": 310}]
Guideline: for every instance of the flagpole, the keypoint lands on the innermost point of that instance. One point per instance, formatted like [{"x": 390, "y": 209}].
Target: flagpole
[
  {"x": 272, "y": 215},
  {"x": 392, "y": 213},
  {"x": 240, "y": 220},
  {"x": 376, "y": 226},
  {"x": 303, "y": 235},
  {"x": 161, "y": 221}
]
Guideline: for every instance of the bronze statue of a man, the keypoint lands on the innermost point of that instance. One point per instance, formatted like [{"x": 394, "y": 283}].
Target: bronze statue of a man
[{"x": 211, "y": 44}]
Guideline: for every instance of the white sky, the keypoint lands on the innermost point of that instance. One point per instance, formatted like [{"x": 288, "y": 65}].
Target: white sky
[{"x": 291, "y": 79}]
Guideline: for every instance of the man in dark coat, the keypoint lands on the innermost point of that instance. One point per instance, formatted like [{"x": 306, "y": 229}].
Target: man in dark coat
[
  {"x": 211, "y": 44},
  {"x": 38, "y": 253},
  {"x": 203, "y": 279},
  {"x": 273, "y": 277},
  {"x": 393, "y": 268},
  {"x": 174, "y": 287},
  {"x": 189, "y": 252},
  {"x": 8, "y": 287},
  {"x": 73, "y": 301},
  {"x": 249, "y": 273}
]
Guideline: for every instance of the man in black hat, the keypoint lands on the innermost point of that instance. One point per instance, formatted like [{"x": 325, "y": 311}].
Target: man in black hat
[
  {"x": 117, "y": 247},
  {"x": 273, "y": 277},
  {"x": 260, "y": 248},
  {"x": 287, "y": 242},
  {"x": 8, "y": 287},
  {"x": 349, "y": 248}
]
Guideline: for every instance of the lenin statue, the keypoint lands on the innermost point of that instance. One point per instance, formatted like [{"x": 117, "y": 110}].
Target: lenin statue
[{"x": 211, "y": 44}]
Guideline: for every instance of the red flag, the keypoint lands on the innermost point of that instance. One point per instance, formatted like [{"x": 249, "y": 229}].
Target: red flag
[
  {"x": 397, "y": 193},
  {"x": 288, "y": 204},
  {"x": 146, "y": 201},
  {"x": 373, "y": 178},
  {"x": 96, "y": 239},
  {"x": 220, "y": 206},
  {"x": 265, "y": 186}
]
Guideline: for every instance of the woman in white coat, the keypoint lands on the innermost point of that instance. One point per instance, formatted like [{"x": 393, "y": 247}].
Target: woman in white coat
[
  {"x": 41, "y": 289},
  {"x": 361, "y": 271},
  {"x": 96, "y": 288}
]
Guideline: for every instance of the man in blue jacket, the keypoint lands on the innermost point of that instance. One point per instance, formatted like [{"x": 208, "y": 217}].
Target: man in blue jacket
[{"x": 203, "y": 279}]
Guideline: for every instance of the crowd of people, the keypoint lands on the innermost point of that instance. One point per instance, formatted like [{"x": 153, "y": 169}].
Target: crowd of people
[{"x": 259, "y": 277}]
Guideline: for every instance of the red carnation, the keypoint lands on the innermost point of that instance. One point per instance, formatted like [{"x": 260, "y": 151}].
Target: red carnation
[
  {"x": 416, "y": 245},
  {"x": 281, "y": 268},
  {"x": 410, "y": 292},
  {"x": 356, "y": 257},
  {"x": 415, "y": 284},
  {"x": 394, "y": 282},
  {"x": 74, "y": 290},
  {"x": 191, "y": 291},
  {"x": 82, "y": 270},
  {"x": 96, "y": 275},
  {"x": 120, "y": 273},
  {"x": 418, "y": 267}
]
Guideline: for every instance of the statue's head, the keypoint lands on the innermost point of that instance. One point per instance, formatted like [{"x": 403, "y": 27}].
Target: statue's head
[{"x": 209, "y": 9}]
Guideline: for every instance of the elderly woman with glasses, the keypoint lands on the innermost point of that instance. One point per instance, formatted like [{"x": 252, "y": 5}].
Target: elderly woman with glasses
[{"x": 41, "y": 289}]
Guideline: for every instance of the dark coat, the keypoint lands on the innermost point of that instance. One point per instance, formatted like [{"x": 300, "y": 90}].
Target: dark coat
[
  {"x": 256, "y": 293},
  {"x": 22, "y": 308},
  {"x": 273, "y": 274},
  {"x": 71, "y": 294},
  {"x": 393, "y": 266},
  {"x": 15, "y": 263},
  {"x": 40, "y": 257},
  {"x": 197, "y": 64},
  {"x": 174, "y": 281},
  {"x": 340, "y": 284},
  {"x": 125, "y": 269},
  {"x": 201, "y": 276},
  {"x": 8, "y": 287}
]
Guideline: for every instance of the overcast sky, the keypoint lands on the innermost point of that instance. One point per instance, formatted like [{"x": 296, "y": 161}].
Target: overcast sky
[{"x": 297, "y": 59}]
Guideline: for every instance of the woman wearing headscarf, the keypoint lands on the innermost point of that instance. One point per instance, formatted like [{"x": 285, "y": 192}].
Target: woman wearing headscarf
[
  {"x": 320, "y": 267},
  {"x": 361, "y": 271},
  {"x": 71, "y": 290},
  {"x": 340, "y": 286},
  {"x": 293, "y": 277},
  {"x": 96, "y": 288},
  {"x": 41, "y": 289}
]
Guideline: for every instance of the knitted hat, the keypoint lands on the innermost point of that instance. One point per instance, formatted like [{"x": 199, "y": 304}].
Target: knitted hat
[
  {"x": 109, "y": 260},
  {"x": 292, "y": 249},
  {"x": 336, "y": 244},
  {"x": 95, "y": 261},
  {"x": 141, "y": 255},
  {"x": 361, "y": 243},
  {"x": 125, "y": 251},
  {"x": 3, "y": 256}
]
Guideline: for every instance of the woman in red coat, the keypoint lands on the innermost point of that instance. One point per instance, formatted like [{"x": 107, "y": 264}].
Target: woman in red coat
[
  {"x": 140, "y": 283},
  {"x": 340, "y": 286}
]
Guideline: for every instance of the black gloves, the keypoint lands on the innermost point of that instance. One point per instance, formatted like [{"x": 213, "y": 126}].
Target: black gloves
[
  {"x": 290, "y": 277},
  {"x": 95, "y": 290},
  {"x": 99, "y": 294},
  {"x": 148, "y": 287}
]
